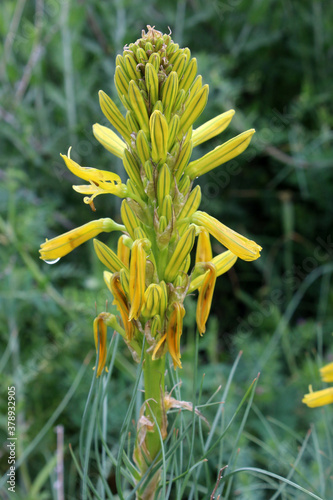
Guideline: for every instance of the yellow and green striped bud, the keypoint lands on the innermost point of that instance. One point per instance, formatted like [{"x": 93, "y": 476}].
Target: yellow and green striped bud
[
  {"x": 107, "y": 256},
  {"x": 142, "y": 147},
  {"x": 138, "y": 106},
  {"x": 166, "y": 208},
  {"x": 151, "y": 83},
  {"x": 159, "y": 136},
  {"x": 131, "y": 122},
  {"x": 189, "y": 75},
  {"x": 180, "y": 253},
  {"x": 152, "y": 301},
  {"x": 132, "y": 71},
  {"x": 169, "y": 93},
  {"x": 113, "y": 114},
  {"x": 182, "y": 160},
  {"x": 212, "y": 128},
  {"x": 191, "y": 205},
  {"x": 129, "y": 218},
  {"x": 154, "y": 60},
  {"x": 158, "y": 106},
  {"x": 121, "y": 81},
  {"x": 163, "y": 183},
  {"x": 173, "y": 130},
  {"x": 193, "y": 109},
  {"x": 220, "y": 155},
  {"x": 155, "y": 326}
]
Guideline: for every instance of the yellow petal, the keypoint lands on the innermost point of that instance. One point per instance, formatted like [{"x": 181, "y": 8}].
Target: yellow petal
[
  {"x": 326, "y": 373},
  {"x": 100, "y": 331},
  {"x": 91, "y": 174},
  {"x": 109, "y": 140},
  {"x": 318, "y": 398},
  {"x": 205, "y": 297}
]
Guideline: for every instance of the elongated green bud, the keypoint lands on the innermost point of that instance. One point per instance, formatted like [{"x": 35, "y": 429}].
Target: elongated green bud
[
  {"x": 173, "y": 130},
  {"x": 141, "y": 56},
  {"x": 212, "y": 128},
  {"x": 138, "y": 106},
  {"x": 154, "y": 60},
  {"x": 163, "y": 183},
  {"x": 169, "y": 93},
  {"x": 180, "y": 65},
  {"x": 132, "y": 169},
  {"x": 220, "y": 155},
  {"x": 142, "y": 147},
  {"x": 183, "y": 248},
  {"x": 131, "y": 68},
  {"x": 159, "y": 136},
  {"x": 182, "y": 160},
  {"x": 112, "y": 113},
  {"x": 121, "y": 81},
  {"x": 129, "y": 218},
  {"x": 131, "y": 122},
  {"x": 151, "y": 83},
  {"x": 184, "y": 184},
  {"x": 192, "y": 204},
  {"x": 194, "y": 107},
  {"x": 162, "y": 225},
  {"x": 189, "y": 75},
  {"x": 166, "y": 208},
  {"x": 158, "y": 106}
]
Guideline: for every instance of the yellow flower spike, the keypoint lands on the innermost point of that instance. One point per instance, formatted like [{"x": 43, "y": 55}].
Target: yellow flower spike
[
  {"x": 107, "y": 256},
  {"x": 159, "y": 136},
  {"x": 121, "y": 302},
  {"x": 137, "y": 279},
  {"x": 64, "y": 244},
  {"x": 212, "y": 128},
  {"x": 123, "y": 251},
  {"x": 100, "y": 331},
  {"x": 222, "y": 263},
  {"x": 318, "y": 398},
  {"x": 239, "y": 245},
  {"x": 109, "y": 140},
  {"x": 205, "y": 297},
  {"x": 174, "y": 331},
  {"x": 204, "y": 251},
  {"x": 112, "y": 113},
  {"x": 326, "y": 373},
  {"x": 220, "y": 155},
  {"x": 180, "y": 253}
]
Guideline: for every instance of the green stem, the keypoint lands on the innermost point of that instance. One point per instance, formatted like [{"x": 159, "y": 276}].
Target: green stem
[{"x": 153, "y": 372}]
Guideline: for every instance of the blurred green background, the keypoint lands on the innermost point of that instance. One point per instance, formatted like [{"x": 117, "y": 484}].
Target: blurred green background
[{"x": 269, "y": 60}]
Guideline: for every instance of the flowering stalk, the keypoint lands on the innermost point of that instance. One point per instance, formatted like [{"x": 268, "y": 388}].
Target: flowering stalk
[{"x": 150, "y": 274}]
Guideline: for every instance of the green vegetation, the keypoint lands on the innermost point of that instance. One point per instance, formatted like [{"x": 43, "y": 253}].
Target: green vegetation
[{"x": 271, "y": 62}]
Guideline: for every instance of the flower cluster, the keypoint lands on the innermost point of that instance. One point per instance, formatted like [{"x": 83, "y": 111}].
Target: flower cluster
[
  {"x": 325, "y": 396},
  {"x": 149, "y": 276}
]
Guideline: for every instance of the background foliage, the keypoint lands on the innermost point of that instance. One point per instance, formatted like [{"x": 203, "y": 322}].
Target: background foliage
[{"x": 272, "y": 62}]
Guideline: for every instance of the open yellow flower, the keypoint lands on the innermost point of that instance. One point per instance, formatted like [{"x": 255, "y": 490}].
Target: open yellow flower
[{"x": 324, "y": 397}]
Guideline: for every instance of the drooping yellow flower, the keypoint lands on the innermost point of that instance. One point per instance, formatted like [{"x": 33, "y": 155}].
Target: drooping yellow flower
[
  {"x": 174, "y": 331},
  {"x": 205, "y": 297},
  {"x": 239, "y": 245},
  {"x": 100, "y": 331},
  {"x": 62, "y": 245}
]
